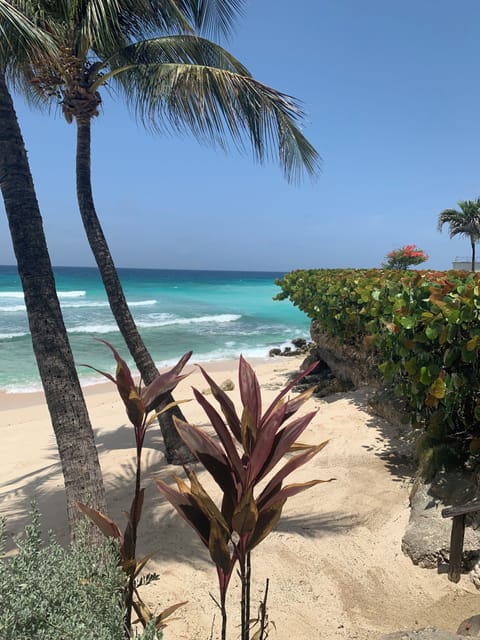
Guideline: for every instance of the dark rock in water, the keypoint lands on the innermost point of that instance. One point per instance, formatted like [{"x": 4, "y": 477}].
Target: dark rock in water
[
  {"x": 299, "y": 343},
  {"x": 422, "y": 634},
  {"x": 301, "y": 347}
]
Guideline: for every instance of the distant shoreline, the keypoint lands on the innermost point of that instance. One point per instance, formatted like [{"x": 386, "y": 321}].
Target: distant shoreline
[
  {"x": 24, "y": 399},
  {"x": 275, "y": 272}
]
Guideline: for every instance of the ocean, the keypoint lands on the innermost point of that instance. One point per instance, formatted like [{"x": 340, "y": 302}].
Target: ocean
[{"x": 217, "y": 314}]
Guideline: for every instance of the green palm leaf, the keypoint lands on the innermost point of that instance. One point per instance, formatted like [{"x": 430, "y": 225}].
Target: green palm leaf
[
  {"x": 216, "y": 105},
  {"x": 20, "y": 37},
  {"x": 465, "y": 222}
]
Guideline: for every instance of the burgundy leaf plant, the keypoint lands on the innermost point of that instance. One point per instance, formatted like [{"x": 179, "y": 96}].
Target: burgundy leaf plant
[
  {"x": 139, "y": 403},
  {"x": 246, "y": 451}
]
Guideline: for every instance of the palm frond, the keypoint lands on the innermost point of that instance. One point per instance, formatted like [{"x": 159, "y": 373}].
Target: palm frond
[
  {"x": 463, "y": 222},
  {"x": 219, "y": 106},
  {"x": 97, "y": 26},
  {"x": 212, "y": 18},
  {"x": 182, "y": 49},
  {"x": 20, "y": 38}
]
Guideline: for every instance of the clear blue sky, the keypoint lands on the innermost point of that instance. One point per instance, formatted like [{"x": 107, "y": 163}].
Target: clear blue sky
[{"x": 392, "y": 93}]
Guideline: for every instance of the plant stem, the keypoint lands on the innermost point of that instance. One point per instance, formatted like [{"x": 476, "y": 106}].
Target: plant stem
[
  {"x": 134, "y": 520},
  {"x": 224, "y": 614},
  {"x": 263, "y": 609},
  {"x": 245, "y": 573},
  {"x": 247, "y": 588}
]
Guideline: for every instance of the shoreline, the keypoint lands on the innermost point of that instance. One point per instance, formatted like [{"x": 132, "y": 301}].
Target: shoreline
[{"x": 23, "y": 399}]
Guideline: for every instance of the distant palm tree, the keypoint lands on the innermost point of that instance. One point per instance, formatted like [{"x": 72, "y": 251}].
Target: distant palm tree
[
  {"x": 66, "y": 405},
  {"x": 177, "y": 82},
  {"x": 465, "y": 222}
]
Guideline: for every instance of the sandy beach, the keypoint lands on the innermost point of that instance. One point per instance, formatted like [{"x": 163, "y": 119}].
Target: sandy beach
[{"x": 334, "y": 561}]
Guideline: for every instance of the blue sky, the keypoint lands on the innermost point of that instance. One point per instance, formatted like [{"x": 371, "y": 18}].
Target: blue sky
[{"x": 392, "y": 93}]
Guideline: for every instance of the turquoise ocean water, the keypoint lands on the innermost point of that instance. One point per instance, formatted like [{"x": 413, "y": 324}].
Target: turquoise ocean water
[{"x": 217, "y": 314}]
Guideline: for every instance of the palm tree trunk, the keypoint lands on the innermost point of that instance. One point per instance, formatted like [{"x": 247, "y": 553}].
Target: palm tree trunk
[
  {"x": 473, "y": 255},
  {"x": 175, "y": 449},
  {"x": 68, "y": 412}
]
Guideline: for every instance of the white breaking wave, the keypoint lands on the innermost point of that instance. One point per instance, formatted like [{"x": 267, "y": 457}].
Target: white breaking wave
[
  {"x": 14, "y": 334},
  {"x": 223, "y": 317},
  {"x": 112, "y": 328},
  {"x": 22, "y": 388},
  {"x": 94, "y": 328},
  {"x": 142, "y": 303},
  {"x": 61, "y": 294},
  {"x": 105, "y": 304},
  {"x": 77, "y": 305},
  {"x": 13, "y": 307},
  {"x": 71, "y": 294},
  {"x": 232, "y": 353}
]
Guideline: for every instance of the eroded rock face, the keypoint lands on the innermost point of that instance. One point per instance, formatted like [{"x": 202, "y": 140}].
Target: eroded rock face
[
  {"x": 427, "y": 538},
  {"x": 350, "y": 363}
]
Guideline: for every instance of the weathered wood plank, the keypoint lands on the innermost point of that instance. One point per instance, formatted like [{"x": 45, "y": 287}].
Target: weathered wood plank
[
  {"x": 470, "y": 507},
  {"x": 456, "y": 548}
]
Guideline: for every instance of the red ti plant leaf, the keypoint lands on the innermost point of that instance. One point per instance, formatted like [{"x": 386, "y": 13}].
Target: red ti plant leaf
[
  {"x": 269, "y": 494},
  {"x": 223, "y": 434},
  {"x": 143, "y": 612},
  {"x": 166, "y": 613},
  {"x": 294, "y": 405},
  {"x": 267, "y": 520},
  {"x": 187, "y": 509},
  {"x": 132, "y": 524},
  {"x": 289, "y": 386},
  {"x": 218, "y": 547},
  {"x": 226, "y": 405},
  {"x": 208, "y": 453},
  {"x": 135, "y": 409},
  {"x": 205, "y": 503},
  {"x": 284, "y": 440},
  {"x": 262, "y": 449},
  {"x": 250, "y": 390},
  {"x": 164, "y": 383},
  {"x": 292, "y": 489},
  {"x": 245, "y": 515},
  {"x": 123, "y": 377},
  {"x": 248, "y": 430},
  {"x": 108, "y": 527}
]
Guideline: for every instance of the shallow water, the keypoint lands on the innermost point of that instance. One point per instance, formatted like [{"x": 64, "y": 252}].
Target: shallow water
[{"x": 218, "y": 314}]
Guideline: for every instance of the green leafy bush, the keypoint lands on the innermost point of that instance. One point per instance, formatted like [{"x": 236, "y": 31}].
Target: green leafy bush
[
  {"x": 51, "y": 593},
  {"x": 424, "y": 328}
]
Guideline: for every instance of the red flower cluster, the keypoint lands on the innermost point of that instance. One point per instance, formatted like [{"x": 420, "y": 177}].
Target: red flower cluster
[{"x": 404, "y": 257}]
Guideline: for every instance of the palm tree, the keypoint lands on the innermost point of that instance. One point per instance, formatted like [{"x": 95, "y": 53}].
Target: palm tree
[
  {"x": 465, "y": 222},
  {"x": 68, "y": 412},
  {"x": 178, "y": 82}
]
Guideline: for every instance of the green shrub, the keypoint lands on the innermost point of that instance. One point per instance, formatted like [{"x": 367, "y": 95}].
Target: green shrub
[
  {"x": 51, "y": 593},
  {"x": 424, "y": 329}
]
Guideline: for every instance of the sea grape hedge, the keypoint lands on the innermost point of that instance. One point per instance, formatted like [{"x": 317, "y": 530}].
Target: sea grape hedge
[{"x": 424, "y": 329}]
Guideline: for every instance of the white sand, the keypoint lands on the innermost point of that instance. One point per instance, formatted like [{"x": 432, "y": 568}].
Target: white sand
[{"x": 335, "y": 563}]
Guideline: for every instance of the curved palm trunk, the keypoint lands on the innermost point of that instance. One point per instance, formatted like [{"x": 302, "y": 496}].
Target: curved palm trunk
[
  {"x": 175, "y": 449},
  {"x": 68, "y": 412}
]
